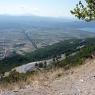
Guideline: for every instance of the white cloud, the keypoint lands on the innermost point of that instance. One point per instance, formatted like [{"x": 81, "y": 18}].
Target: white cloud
[
  {"x": 17, "y": 9},
  {"x": 34, "y": 9}
]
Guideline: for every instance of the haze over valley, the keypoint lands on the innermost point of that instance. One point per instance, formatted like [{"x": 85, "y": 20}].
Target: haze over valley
[{"x": 23, "y": 34}]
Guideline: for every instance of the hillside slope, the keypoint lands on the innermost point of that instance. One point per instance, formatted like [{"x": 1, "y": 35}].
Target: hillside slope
[{"x": 76, "y": 81}]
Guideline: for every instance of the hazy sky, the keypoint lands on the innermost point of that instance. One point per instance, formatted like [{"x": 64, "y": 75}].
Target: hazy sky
[{"x": 52, "y": 8}]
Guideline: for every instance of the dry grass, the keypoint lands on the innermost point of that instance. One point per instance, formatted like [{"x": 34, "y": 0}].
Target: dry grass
[{"x": 42, "y": 78}]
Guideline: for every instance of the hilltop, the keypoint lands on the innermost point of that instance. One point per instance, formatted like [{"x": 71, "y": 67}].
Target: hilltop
[{"x": 76, "y": 81}]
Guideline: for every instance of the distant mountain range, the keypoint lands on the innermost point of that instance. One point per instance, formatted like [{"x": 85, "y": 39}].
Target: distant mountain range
[{"x": 7, "y": 21}]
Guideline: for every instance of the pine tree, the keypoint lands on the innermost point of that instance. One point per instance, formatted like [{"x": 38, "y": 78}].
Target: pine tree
[{"x": 85, "y": 11}]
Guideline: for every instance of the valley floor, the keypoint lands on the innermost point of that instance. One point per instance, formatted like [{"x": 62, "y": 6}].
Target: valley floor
[{"x": 77, "y": 81}]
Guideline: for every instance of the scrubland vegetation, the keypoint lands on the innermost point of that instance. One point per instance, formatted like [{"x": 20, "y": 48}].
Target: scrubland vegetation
[{"x": 76, "y": 51}]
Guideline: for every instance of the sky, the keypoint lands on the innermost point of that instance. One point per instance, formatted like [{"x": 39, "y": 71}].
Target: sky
[{"x": 48, "y": 8}]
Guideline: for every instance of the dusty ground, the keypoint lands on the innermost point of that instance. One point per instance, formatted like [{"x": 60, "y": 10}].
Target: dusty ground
[{"x": 79, "y": 81}]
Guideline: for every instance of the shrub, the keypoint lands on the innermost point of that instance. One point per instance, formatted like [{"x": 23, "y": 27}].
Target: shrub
[{"x": 41, "y": 65}]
